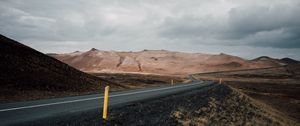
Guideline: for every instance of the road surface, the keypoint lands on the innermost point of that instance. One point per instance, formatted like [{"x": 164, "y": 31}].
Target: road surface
[{"x": 20, "y": 112}]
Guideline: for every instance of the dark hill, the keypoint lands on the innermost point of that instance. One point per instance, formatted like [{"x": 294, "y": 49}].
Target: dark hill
[
  {"x": 263, "y": 58},
  {"x": 24, "y": 71},
  {"x": 289, "y": 61}
]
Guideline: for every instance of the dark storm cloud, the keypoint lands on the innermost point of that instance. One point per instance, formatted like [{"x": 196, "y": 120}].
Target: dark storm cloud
[
  {"x": 274, "y": 26},
  {"x": 254, "y": 25}
]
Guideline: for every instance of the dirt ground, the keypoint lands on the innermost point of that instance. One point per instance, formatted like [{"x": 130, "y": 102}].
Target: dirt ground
[
  {"x": 276, "y": 87},
  {"x": 134, "y": 81}
]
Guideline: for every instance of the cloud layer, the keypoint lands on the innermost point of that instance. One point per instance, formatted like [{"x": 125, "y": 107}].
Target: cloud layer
[{"x": 195, "y": 25}]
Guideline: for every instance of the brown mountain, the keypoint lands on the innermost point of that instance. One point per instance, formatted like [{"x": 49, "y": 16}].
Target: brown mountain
[
  {"x": 158, "y": 62},
  {"x": 27, "y": 72}
]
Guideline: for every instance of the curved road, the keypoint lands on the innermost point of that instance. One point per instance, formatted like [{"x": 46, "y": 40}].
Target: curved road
[{"x": 20, "y": 112}]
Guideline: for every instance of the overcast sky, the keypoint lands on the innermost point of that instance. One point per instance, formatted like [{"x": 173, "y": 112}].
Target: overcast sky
[{"x": 246, "y": 28}]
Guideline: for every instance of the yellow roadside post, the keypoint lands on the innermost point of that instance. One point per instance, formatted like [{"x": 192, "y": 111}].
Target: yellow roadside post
[
  {"x": 172, "y": 82},
  {"x": 220, "y": 81},
  {"x": 105, "y": 103}
]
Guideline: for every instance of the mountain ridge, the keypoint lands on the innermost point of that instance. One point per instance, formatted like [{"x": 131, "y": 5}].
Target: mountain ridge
[{"x": 159, "y": 61}]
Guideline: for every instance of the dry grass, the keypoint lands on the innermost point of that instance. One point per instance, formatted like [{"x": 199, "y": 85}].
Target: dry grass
[
  {"x": 278, "y": 88},
  {"x": 234, "y": 108}
]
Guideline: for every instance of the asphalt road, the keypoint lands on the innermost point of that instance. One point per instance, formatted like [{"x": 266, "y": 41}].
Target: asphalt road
[{"x": 20, "y": 112}]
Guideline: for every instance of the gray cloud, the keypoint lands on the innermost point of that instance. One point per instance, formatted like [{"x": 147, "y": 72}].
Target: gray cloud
[
  {"x": 64, "y": 25},
  {"x": 273, "y": 26},
  {"x": 253, "y": 25}
]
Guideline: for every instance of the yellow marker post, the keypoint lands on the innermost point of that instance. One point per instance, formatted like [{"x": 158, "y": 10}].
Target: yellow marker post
[
  {"x": 172, "y": 82},
  {"x": 105, "y": 104},
  {"x": 220, "y": 81}
]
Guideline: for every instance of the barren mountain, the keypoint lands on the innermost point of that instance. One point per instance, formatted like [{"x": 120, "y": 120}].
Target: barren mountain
[
  {"x": 28, "y": 74},
  {"x": 159, "y": 62}
]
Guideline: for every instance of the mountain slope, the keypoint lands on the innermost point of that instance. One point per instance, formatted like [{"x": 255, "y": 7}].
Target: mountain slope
[
  {"x": 24, "y": 70},
  {"x": 157, "y": 61}
]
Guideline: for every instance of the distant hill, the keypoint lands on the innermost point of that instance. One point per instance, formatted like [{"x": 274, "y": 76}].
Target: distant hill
[
  {"x": 263, "y": 58},
  {"x": 25, "y": 71},
  {"x": 158, "y": 61},
  {"x": 289, "y": 61}
]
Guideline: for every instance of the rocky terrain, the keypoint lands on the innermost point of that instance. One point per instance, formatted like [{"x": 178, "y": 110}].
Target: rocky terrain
[
  {"x": 277, "y": 87},
  {"x": 28, "y": 74},
  {"x": 159, "y": 62}
]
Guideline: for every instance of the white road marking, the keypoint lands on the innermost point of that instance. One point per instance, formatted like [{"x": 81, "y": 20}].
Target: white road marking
[
  {"x": 48, "y": 104},
  {"x": 87, "y": 99}
]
